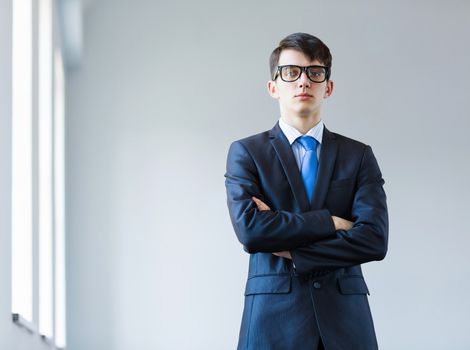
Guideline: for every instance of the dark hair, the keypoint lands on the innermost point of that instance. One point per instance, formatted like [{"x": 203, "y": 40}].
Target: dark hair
[{"x": 309, "y": 45}]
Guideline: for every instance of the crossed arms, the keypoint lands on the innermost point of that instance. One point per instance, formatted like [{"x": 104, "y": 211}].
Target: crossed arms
[
  {"x": 340, "y": 224},
  {"x": 315, "y": 240}
]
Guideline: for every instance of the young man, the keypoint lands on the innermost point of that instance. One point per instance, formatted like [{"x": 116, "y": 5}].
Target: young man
[{"x": 308, "y": 205}]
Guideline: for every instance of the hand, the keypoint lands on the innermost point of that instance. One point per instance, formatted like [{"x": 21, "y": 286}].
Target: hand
[
  {"x": 260, "y": 204},
  {"x": 341, "y": 224},
  {"x": 284, "y": 254}
]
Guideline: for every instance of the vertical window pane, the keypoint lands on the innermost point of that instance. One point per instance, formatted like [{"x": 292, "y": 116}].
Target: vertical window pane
[
  {"x": 45, "y": 134},
  {"x": 22, "y": 287},
  {"x": 59, "y": 199}
]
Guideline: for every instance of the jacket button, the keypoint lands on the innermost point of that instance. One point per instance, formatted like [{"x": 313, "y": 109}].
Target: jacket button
[{"x": 317, "y": 285}]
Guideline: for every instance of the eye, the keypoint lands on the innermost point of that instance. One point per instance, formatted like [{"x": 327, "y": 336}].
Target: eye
[
  {"x": 316, "y": 73},
  {"x": 290, "y": 72}
]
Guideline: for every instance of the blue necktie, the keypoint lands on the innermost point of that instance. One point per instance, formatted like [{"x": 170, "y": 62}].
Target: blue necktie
[{"x": 309, "y": 165}]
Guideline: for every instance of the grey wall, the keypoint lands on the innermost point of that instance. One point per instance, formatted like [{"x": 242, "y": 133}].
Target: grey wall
[{"x": 165, "y": 87}]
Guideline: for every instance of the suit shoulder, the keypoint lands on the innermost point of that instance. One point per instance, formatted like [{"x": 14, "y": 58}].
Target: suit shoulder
[{"x": 349, "y": 142}]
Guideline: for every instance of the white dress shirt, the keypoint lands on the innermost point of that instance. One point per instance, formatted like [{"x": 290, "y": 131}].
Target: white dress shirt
[{"x": 292, "y": 134}]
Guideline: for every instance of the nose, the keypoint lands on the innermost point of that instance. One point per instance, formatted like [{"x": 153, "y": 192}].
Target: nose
[{"x": 304, "y": 81}]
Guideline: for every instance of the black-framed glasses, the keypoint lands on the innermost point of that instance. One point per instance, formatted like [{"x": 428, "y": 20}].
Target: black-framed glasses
[{"x": 290, "y": 73}]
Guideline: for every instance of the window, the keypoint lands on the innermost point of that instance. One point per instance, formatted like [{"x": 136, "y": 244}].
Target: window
[
  {"x": 22, "y": 180},
  {"x": 59, "y": 199},
  {"x": 38, "y": 198},
  {"x": 45, "y": 179}
]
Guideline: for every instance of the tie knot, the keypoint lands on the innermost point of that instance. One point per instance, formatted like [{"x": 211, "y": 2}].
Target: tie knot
[{"x": 307, "y": 142}]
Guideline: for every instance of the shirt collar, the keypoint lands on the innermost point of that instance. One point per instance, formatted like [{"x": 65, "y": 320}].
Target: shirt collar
[{"x": 292, "y": 133}]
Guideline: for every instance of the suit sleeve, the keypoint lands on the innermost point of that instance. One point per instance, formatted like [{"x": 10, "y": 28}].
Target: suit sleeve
[
  {"x": 267, "y": 231},
  {"x": 366, "y": 241}
]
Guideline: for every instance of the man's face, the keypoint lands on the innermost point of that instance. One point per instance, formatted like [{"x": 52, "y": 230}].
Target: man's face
[{"x": 302, "y": 97}]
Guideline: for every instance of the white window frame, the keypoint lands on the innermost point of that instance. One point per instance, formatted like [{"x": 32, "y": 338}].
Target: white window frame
[{"x": 38, "y": 159}]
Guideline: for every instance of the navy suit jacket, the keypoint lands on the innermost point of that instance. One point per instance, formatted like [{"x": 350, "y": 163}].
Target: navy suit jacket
[{"x": 321, "y": 292}]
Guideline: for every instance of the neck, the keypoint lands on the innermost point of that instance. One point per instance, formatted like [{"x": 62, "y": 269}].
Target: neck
[{"x": 302, "y": 123}]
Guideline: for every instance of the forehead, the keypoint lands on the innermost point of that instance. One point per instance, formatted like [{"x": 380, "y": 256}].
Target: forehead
[{"x": 298, "y": 58}]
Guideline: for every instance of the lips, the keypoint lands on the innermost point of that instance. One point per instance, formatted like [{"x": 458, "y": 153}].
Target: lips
[{"x": 303, "y": 96}]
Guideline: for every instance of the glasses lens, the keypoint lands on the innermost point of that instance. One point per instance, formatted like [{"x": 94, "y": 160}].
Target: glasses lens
[
  {"x": 290, "y": 73},
  {"x": 316, "y": 74}
]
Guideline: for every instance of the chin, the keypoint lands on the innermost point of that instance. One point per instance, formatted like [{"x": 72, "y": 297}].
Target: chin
[{"x": 305, "y": 113}]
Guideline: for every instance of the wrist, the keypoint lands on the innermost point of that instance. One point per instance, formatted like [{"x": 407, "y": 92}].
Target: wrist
[{"x": 335, "y": 222}]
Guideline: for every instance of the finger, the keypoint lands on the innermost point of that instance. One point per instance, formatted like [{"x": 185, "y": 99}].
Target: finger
[
  {"x": 284, "y": 254},
  {"x": 260, "y": 204}
]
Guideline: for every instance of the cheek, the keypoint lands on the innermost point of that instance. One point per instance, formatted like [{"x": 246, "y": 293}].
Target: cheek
[
  {"x": 288, "y": 91},
  {"x": 320, "y": 92},
  {"x": 283, "y": 94}
]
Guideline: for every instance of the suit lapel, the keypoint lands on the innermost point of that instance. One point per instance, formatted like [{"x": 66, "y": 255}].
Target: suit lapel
[
  {"x": 328, "y": 152},
  {"x": 329, "y": 148},
  {"x": 284, "y": 152}
]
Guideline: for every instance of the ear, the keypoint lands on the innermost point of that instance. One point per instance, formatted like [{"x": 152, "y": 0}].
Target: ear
[
  {"x": 329, "y": 89},
  {"x": 272, "y": 89}
]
